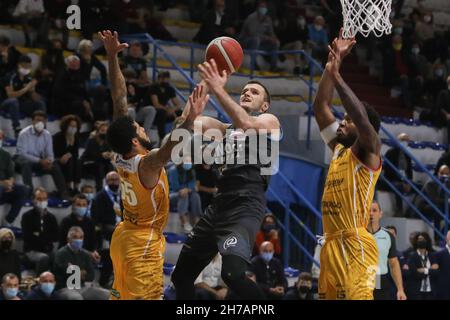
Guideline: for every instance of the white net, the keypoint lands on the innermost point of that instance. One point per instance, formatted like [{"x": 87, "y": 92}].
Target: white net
[{"x": 366, "y": 16}]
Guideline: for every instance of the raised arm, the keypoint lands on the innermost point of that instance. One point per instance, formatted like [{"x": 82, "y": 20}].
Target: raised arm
[
  {"x": 240, "y": 118},
  {"x": 154, "y": 161},
  {"x": 116, "y": 78}
]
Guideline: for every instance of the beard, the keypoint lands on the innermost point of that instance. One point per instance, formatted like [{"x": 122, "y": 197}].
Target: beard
[
  {"x": 347, "y": 141},
  {"x": 145, "y": 143}
]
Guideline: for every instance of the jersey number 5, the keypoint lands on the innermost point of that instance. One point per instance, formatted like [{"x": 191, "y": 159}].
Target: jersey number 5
[{"x": 128, "y": 194}]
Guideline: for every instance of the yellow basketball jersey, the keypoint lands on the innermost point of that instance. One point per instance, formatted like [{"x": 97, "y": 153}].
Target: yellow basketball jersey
[
  {"x": 348, "y": 193},
  {"x": 147, "y": 208}
]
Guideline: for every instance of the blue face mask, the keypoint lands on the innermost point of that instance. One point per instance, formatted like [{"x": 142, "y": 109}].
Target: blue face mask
[
  {"x": 89, "y": 196},
  {"x": 11, "y": 293},
  {"x": 76, "y": 244},
  {"x": 187, "y": 166},
  {"x": 262, "y": 11},
  {"x": 269, "y": 227},
  {"x": 267, "y": 256},
  {"x": 80, "y": 211},
  {"x": 47, "y": 288}
]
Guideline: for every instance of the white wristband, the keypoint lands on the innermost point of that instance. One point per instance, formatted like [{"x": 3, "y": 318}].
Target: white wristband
[{"x": 329, "y": 133}]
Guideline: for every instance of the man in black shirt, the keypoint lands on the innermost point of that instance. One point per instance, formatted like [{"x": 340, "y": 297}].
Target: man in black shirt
[
  {"x": 21, "y": 96},
  {"x": 40, "y": 231},
  {"x": 10, "y": 191},
  {"x": 164, "y": 99},
  {"x": 229, "y": 225},
  {"x": 135, "y": 61},
  {"x": 9, "y": 56}
]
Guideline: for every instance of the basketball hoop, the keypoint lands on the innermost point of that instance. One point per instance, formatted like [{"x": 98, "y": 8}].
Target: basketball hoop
[{"x": 366, "y": 16}]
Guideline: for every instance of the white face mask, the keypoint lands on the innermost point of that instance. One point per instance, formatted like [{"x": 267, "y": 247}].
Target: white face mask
[
  {"x": 415, "y": 50},
  {"x": 42, "y": 205},
  {"x": 301, "y": 22},
  {"x": 39, "y": 126},
  {"x": 71, "y": 131},
  {"x": 24, "y": 71}
]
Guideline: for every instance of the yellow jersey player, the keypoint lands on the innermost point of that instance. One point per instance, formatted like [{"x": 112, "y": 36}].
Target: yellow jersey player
[
  {"x": 348, "y": 260},
  {"x": 138, "y": 244}
]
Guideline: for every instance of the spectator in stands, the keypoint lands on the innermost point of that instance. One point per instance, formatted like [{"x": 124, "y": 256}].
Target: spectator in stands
[
  {"x": 53, "y": 58},
  {"x": 436, "y": 194},
  {"x": 388, "y": 262},
  {"x": 207, "y": 178},
  {"x": 135, "y": 61},
  {"x": 106, "y": 212},
  {"x": 216, "y": 23},
  {"x": 424, "y": 27},
  {"x": 318, "y": 39},
  {"x": 9, "y": 56},
  {"x": 269, "y": 272},
  {"x": 9, "y": 257},
  {"x": 405, "y": 256},
  {"x": 423, "y": 270},
  {"x": 392, "y": 230},
  {"x": 183, "y": 190},
  {"x": 442, "y": 258},
  {"x": 268, "y": 232},
  {"x": 97, "y": 92},
  {"x": 293, "y": 34},
  {"x": 209, "y": 284},
  {"x": 443, "y": 112},
  {"x": 10, "y": 287},
  {"x": 258, "y": 34},
  {"x": 78, "y": 218},
  {"x": 70, "y": 94},
  {"x": 333, "y": 15},
  {"x": 45, "y": 289},
  {"x": 73, "y": 254},
  {"x": 35, "y": 153},
  {"x": 57, "y": 17},
  {"x": 418, "y": 69},
  {"x": 402, "y": 162},
  {"x": 31, "y": 14},
  {"x": 89, "y": 193},
  {"x": 10, "y": 192},
  {"x": 436, "y": 83},
  {"x": 302, "y": 290},
  {"x": 21, "y": 96},
  {"x": 96, "y": 159},
  {"x": 395, "y": 66},
  {"x": 40, "y": 231},
  {"x": 66, "y": 144},
  {"x": 164, "y": 99}
]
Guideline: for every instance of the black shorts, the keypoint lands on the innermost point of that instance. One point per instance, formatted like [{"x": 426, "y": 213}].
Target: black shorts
[{"x": 229, "y": 225}]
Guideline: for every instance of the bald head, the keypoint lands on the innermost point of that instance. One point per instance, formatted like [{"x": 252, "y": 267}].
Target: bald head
[
  {"x": 266, "y": 247},
  {"x": 444, "y": 171},
  {"x": 403, "y": 137},
  {"x": 46, "y": 277}
]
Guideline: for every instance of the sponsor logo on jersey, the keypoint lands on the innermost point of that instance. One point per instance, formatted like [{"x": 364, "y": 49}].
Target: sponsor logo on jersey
[{"x": 230, "y": 242}]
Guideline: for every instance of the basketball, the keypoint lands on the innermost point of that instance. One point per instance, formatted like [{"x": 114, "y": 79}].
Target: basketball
[{"x": 227, "y": 53}]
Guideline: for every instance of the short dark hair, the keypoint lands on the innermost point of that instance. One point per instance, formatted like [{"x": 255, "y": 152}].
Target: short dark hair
[
  {"x": 164, "y": 74},
  {"x": 38, "y": 113},
  {"x": 66, "y": 120},
  {"x": 86, "y": 186},
  {"x": 306, "y": 276},
  {"x": 80, "y": 196},
  {"x": 266, "y": 91},
  {"x": 120, "y": 133},
  {"x": 24, "y": 59},
  {"x": 374, "y": 117},
  {"x": 38, "y": 189},
  {"x": 9, "y": 276},
  {"x": 4, "y": 41}
]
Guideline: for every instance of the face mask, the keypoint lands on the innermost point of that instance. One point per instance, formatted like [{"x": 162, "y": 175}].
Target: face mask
[
  {"x": 39, "y": 127},
  {"x": 262, "y": 11},
  {"x": 113, "y": 187},
  {"x": 80, "y": 211},
  {"x": 47, "y": 288},
  {"x": 72, "y": 131},
  {"x": 76, "y": 244},
  {"x": 318, "y": 27},
  {"x": 427, "y": 19},
  {"x": 439, "y": 72},
  {"x": 269, "y": 227},
  {"x": 89, "y": 196},
  {"x": 304, "y": 289},
  {"x": 187, "y": 166},
  {"x": 6, "y": 245},
  {"x": 267, "y": 256},
  {"x": 392, "y": 15},
  {"x": 443, "y": 177},
  {"x": 301, "y": 22},
  {"x": 415, "y": 50},
  {"x": 41, "y": 205},
  {"x": 404, "y": 143},
  {"x": 11, "y": 293},
  {"x": 398, "y": 31},
  {"x": 24, "y": 71},
  {"x": 397, "y": 46},
  {"x": 421, "y": 244},
  {"x": 102, "y": 136}
]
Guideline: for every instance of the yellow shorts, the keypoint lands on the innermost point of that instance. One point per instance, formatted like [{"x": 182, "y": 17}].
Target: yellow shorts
[
  {"x": 348, "y": 265},
  {"x": 138, "y": 257}
]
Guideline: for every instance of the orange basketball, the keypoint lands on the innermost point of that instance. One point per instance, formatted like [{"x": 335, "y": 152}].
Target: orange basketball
[{"x": 227, "y": 53}]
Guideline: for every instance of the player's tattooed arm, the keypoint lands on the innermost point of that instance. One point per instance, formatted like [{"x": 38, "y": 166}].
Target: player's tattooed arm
[
  {"x": 240, "y": 118},
  {"x": 157, "y": 158},
  {"x": 116, "y": 78}
]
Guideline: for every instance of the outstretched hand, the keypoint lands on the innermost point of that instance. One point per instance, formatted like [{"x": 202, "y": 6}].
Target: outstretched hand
[
  {"x": 111, "y": 42},
  {"x": 197, "y": 103},
  {"x": 338, "y": 50},
  {"x": 211, "y": 75}
]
